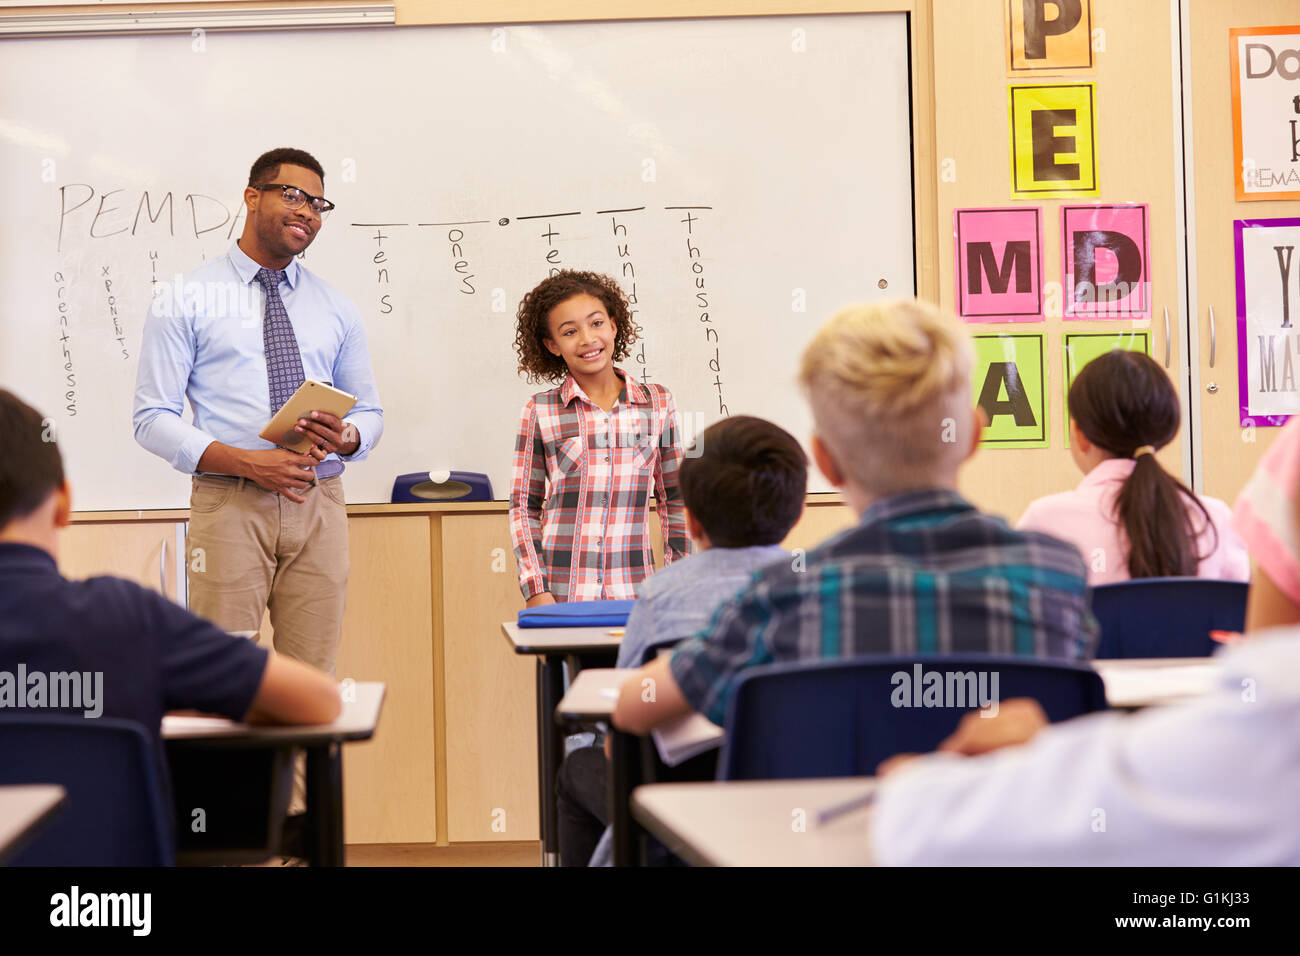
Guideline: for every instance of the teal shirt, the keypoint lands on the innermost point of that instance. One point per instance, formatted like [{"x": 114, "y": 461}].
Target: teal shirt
[{"x": 922, "y": 572}]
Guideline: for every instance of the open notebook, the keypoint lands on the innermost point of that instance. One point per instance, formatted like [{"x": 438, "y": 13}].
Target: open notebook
[{"x": 685, "y": 737}]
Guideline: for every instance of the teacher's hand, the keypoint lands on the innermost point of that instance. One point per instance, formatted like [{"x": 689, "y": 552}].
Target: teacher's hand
[
  {"x": 329, "y": 433},
  {"x": 282, "y": 471}
]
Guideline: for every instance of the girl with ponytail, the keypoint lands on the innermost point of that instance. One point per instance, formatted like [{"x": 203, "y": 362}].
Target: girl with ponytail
[{"x": 1129, "y": 517}]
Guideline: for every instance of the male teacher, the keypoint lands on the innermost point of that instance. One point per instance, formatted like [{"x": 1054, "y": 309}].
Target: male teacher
[{"x": 237, "y": 336}]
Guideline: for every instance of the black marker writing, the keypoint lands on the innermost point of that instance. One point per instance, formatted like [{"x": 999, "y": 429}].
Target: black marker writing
[
  {"x": 381, "y": 272},
  {"x": 461, "y": 265},
  {"x": 111, "y": 301},
  {"x": 627, "y": 277},
  {"x": 69, "y": 371},
  {"x": 702, "y": 303}
]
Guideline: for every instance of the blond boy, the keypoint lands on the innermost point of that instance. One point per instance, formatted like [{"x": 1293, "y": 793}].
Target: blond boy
[{"x": 923, "y": 570}]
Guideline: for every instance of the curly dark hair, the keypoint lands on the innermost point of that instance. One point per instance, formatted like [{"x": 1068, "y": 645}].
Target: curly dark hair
[{"x": 535, "y": 361}]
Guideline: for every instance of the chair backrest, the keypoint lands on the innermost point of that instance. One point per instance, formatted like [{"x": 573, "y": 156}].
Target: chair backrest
[
  {"x": 1166, "y": 617},
  {"x": 114, "y": 815},
  {"x": 838, "y": 718}
]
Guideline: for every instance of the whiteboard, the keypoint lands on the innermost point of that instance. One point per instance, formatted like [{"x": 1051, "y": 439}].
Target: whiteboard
[{"x": 125, "y": 158}]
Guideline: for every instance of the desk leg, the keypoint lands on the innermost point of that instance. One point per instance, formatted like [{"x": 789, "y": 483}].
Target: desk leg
[
  {"x": 324, "y": 837},
  {"x": 550, "y": 751},
  {"x": 624, "y": 777}
]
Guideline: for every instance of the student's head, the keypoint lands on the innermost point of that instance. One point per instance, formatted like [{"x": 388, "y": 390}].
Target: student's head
[
  {"x": 1122, "y": 405},
  {"x": 283, "y": 222},
  {"x": 889, "y": 386},
  {"x": 33, "y": 493},
  {"x": 747, "y": 483},
  {"x": 573, "y": 322}
]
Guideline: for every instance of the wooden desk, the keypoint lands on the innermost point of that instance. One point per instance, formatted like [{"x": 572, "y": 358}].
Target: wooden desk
[
  {"x": 586, "y": 647},
  {"x": 25, "y": 809},
  {"x": 757, "y": 822},
  {"x": 592, "y": 694},
  {"x": 324, "y": 817},
  {"x": 590, "y": 700},
  {"x": 1142, "y": 682},
  {"x": 562, "y": 640},
  {"x": 1130, "y": 683}
]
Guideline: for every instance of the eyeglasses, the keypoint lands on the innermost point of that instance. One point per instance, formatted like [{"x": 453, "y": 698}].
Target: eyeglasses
[{"x": 294, "y": 197}]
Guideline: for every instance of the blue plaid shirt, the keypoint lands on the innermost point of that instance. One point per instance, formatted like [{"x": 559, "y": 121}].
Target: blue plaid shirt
[{"x": 922, "y": 572}]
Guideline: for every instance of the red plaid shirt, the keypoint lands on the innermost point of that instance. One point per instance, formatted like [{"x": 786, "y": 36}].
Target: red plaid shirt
[{"x": 580, "y": 490}]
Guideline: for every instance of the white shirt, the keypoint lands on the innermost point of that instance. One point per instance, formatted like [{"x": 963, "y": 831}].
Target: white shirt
[{"x": 1212, "y": 781}]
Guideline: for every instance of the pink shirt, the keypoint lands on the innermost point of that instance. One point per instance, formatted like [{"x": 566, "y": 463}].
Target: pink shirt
[
  {"x": 1266, "y": 512},
  {"x": 1085, "y": 517}
]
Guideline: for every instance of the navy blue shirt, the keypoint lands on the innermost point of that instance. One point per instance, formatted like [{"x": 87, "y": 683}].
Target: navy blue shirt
[{"x": 154, "y": 655}]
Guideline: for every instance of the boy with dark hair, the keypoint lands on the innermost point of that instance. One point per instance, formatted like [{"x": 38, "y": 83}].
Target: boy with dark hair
[
  {"x": 743, "y": 493},
  {"x": 136, "y": 652}
]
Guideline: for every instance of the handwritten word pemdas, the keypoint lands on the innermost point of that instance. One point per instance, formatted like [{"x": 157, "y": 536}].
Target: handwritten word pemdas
[
  {"x": 461, "y": 266},
  {"x": 702, "y": 303},
  {"x": 113, "y": 216},
  {"x": 111, "y": 301},
  {"x": 69, "y": 372},
  {"x": 628, "y": 271},
  {"x": 381, "y": 273}
]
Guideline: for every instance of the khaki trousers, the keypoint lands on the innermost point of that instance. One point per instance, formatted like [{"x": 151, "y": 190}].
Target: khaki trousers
[{"x": 251, "y": 549}]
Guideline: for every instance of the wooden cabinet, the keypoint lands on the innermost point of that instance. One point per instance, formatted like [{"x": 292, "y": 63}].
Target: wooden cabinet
[
  {"x": 390, "y": 791},
  {"x": 488, "y": 690},
  {"x": 149, "y": 552}
]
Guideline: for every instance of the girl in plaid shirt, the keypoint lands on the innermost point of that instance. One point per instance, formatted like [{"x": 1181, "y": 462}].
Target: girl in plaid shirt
[{"x": 588, "y": 451}]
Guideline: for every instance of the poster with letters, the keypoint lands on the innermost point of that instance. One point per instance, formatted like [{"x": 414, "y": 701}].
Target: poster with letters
[
  {"x": 1105, "y": 261},
  {"x": 1049, "y": 36},
  {"x": 1268, "y": 310},
  {"x": 1053, "y": 140},
  {"x": 1082, "y": 347},
  {"x": 1266, "y": 111},
  {"x": 998, "y": 274},
  {"x": 1010, "y": 384}
]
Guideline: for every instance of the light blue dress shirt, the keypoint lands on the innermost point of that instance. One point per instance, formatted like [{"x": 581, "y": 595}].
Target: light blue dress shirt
[{"x": 203, "y": 341}]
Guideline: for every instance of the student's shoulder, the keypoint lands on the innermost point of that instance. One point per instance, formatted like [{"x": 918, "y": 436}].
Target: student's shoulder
[
  {"x": 115, "y": 606},
  {"x": 782, "y": 580},
  {"x": 1219, "y": 510},
  {"x": 549, "y": 399},
  {"x": 1043, "y": 551},
  {"x": 1042, "y": 512},
  {"x": 548, "y": 396},
  {"x": 987, "y": 540},
  {"x": 672, "y": 577},
  {"x": 658, "y": 394}
]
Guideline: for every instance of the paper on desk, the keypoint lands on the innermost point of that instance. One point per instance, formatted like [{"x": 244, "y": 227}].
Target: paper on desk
[
  {"x": 180, "y": 724},
  {"x": 1142, "y": 685},
  {"x": 685, "y": 737}
]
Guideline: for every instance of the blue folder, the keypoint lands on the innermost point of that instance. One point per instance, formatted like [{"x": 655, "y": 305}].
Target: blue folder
[{"x": 577, "y": 614}]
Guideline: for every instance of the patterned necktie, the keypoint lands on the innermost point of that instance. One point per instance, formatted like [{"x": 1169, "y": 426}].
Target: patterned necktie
[{"x": 283, "y": 360}]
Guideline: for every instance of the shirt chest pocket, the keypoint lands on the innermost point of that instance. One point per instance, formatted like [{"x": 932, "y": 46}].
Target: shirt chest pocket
[
  {"x": 644, "y": 453},
  {"x": 568, "y": 457}
]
